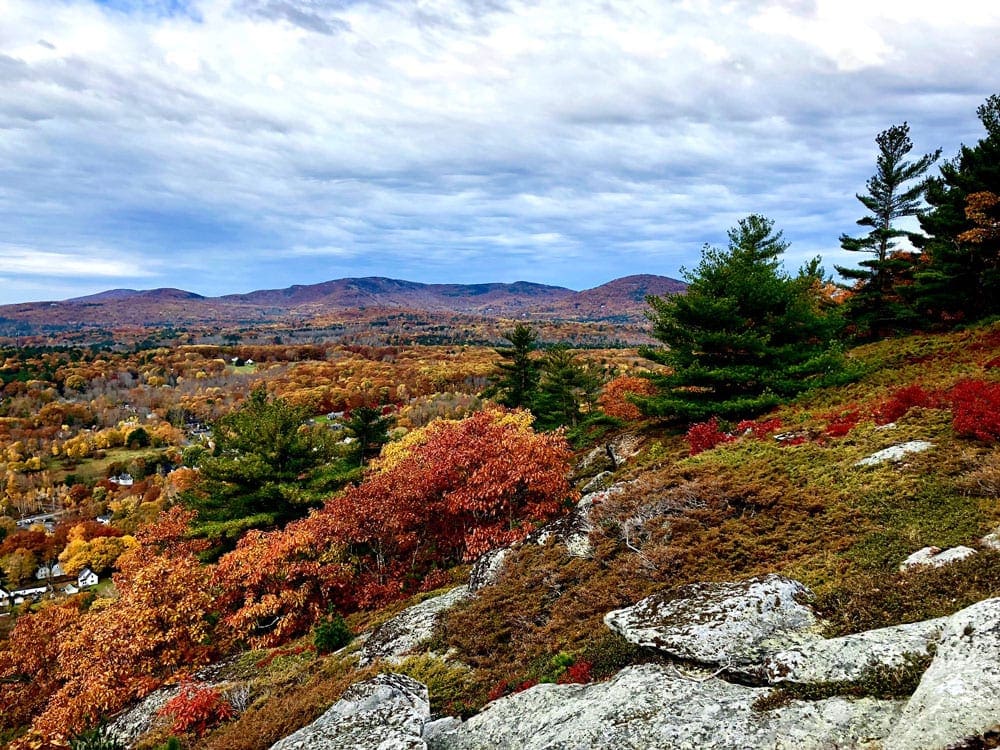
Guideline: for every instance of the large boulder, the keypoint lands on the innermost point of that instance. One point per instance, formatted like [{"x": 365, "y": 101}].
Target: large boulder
[
  {"x": 409, "y": 628},
  {"x": 727, "y": 624},
  {"x": 387, "y": 712},
  {"x": 850, "y": 658},
  {"x": 653, "y": 706},
  {"x": 958, "y": 698}
]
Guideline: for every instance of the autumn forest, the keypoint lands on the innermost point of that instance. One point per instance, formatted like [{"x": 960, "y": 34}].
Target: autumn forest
[{"x": 258, "y": 492}]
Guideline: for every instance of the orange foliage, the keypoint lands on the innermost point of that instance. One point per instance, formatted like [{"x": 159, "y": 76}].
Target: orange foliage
[
  {"x": 983, "y": 209},
  {"x": 614, "y": 399},
  {"x": 111, "y": 656},
  {"x": 457, "y": 490}
]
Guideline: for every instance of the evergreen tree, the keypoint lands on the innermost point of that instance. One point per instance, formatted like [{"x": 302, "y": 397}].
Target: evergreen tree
[
  {"x": 745, "y": 335},
  {"x": 519, "y": 372},
  {"x": 370, "y": 429},
  {"x": 892, "y": 194},
  {"x": 564, "y": 388},
  {"x": 267, "y": 466},
  {"x": 959, "y": 278}
]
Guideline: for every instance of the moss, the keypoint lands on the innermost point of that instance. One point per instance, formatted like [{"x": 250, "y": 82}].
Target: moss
[
  {"x": 448, "y": 683},
  {"x": 880, "y": 682}
]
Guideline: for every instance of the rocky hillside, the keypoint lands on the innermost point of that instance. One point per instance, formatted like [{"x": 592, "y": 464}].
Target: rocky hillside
[{"x": 827, "y": 576}]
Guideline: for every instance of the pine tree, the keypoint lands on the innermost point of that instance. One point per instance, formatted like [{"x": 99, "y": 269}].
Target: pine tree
[
  {"x": 519, "y": 372},
  {"x": 745, "y": 335},
  {"x": 960, "y": 275},
  {"x": 565, "y": 386},
  {"x": 876, "y": 308},
  {"x": 370, "y": 429}
]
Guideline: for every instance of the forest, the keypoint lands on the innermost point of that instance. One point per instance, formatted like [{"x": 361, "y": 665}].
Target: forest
[{"x": 273, "y": 499}]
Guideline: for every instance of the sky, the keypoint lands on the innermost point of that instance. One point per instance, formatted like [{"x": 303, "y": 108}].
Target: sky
[{"x": 223, "y": 146}]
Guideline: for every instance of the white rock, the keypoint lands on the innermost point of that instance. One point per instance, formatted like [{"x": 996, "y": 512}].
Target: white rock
[
  {"x": 651, "y": 706},
  {"x": 851, "y": 657},
  {"x": 573, "y": 530},
  {"x": 600, "y": 482},
  {"x": 895, "y": 452},
  {"x": 135, "y": 721},
  {"x": 991, "y": 540},
  {"x": 959, "y": 695},
  {"x": 487, "y": 568},
  {"x": 409, "y": 628},
  {"x": 387, "y": 712},
  {"x": 722, "y": 623},
  {"x": 935, "y": 557}
]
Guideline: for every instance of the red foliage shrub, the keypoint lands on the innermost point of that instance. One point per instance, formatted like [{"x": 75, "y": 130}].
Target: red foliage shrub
[
  {"x": 842, "y": 424},
  {"x": 901, "y": 402},
  {"x": 976, "y": 410},
  {"x": 704, "y": 436},
  {"x": 498, "y": 691},
  {"x": 196, "y": 707},
  {"x": 580, "y": 672},
  {"x": 529, "y": 683},
  {"x": 759, "y": 430},
  {"x": 445, "y": 494}
]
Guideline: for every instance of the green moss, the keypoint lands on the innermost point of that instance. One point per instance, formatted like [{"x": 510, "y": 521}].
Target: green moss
[{"x": 880, "y": 682}]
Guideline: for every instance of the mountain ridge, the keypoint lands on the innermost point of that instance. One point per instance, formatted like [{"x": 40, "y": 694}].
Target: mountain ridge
[{"x": 618, "y": 300}]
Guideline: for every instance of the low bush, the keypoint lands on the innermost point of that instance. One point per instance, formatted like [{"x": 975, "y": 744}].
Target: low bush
[
  {"x": 976, "y": 409},
  {"x": 196, "y": 708},
  {"x": 331, "y": 634}
]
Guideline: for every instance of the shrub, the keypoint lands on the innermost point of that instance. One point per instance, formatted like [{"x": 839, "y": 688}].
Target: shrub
[
  {"x": 96, "y": 738},
  {"x": 614, "y": 400},
  {"x": 976, "y": 410},
  {"x": 901, "y": 402},
  {"x": 759, "y": 430},
  {"x": 841, "y": 424},
  {"x": 704, "y": 436},
  {"x": 331, "y": 634},
  {"x": 579, "y": 672},
  {"x": 196, "y": 707}
]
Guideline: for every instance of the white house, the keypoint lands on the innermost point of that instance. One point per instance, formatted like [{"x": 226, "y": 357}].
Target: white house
[
  {"x": 123, "y": 480},
  {"x": 45, "y": 571},
  {"x": 33, "y": 591},
  {"x": 87, "y": 578}
]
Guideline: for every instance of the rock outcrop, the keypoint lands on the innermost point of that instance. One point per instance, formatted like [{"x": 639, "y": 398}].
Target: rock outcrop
[
  {"x": 409, "y": 628},
  {"x": 387, "y": 712},
  {"x": 958, "y": 698},
  {"x": 487, "y": 569},
  {"x": 850, "y": 658},
  {"x": 935, "y": 557},
  {"x": 895, "y": 452},
  {"x": 728, "y": 624},
  {"x": 573, "y": 530},
  {"x": 652, "y": 706}
]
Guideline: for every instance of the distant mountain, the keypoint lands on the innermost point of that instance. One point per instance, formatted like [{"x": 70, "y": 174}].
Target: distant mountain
[
  {"x": 376, "y": 291},
  {"x": 621, "y": 300}
]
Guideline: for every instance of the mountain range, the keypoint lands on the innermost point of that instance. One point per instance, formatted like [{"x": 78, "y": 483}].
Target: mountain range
[{"x": 621, "y": 300}]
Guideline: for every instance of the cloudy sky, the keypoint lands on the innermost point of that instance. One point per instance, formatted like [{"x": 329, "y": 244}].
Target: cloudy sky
[{"x": 230, "y": 145}]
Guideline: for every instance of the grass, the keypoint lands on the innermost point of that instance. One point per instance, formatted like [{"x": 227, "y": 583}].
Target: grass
[{"x": 91, "y": 470}]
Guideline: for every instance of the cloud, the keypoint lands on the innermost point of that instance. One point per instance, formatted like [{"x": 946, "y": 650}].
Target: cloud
[
  {"x": 20, "y": 261},
  {"x": 233, "y": 144}
]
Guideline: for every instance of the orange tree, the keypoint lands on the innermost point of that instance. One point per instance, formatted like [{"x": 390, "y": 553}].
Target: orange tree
[{"x": 444, "y": 494}]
